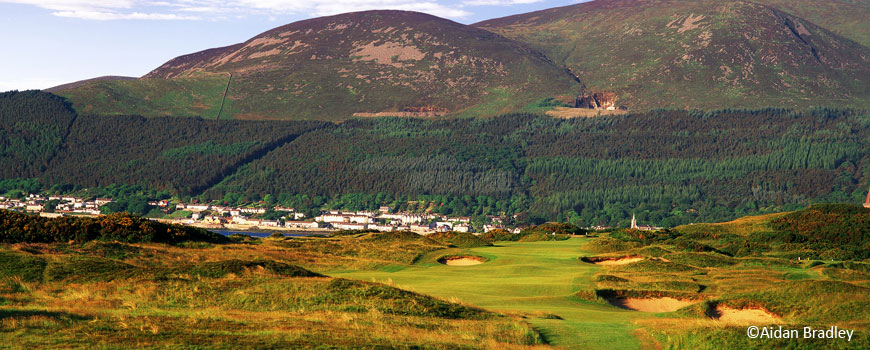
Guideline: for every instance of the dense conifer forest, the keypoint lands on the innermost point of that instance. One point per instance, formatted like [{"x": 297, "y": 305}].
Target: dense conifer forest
[
  {"x": 32, "y": 127},
  {"x": 669, "y": 167}
]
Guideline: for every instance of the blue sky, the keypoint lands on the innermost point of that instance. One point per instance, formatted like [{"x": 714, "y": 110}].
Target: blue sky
[{"x": 51, "y": 42}]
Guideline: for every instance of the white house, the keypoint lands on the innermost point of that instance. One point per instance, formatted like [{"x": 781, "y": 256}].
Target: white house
[
  {"x": 300, "y": 224},
  {"x": 349, "y": 226}
]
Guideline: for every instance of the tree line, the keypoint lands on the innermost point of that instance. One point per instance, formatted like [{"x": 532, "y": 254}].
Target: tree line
[{"x": 668, "y": 167}]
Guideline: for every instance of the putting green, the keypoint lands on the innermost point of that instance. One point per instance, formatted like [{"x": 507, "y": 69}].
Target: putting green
[{"x": 525, "y": 277}]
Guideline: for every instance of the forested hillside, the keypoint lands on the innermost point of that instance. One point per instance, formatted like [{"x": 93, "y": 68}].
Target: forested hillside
[
  {"x": 182, "y": 155},
  {"x": 668, "y": 167},
  {"x": 32, "y": 126}
]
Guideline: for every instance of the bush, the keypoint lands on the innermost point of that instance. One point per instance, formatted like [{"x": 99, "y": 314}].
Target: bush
[
  {"x": 499, "y": 235},
  {"x": 836, "y": 231},
  {"x": 459, "y": 239},
  {"x": 123, "y": 227}
]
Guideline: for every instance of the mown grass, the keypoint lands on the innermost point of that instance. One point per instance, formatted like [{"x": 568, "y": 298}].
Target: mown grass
[{"x": 538, "y": 279}]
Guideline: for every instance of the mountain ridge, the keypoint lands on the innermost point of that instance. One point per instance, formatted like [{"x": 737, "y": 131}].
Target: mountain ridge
[
  {"x": 697, "y": 54},
  {"x": 332, "y": 67}
]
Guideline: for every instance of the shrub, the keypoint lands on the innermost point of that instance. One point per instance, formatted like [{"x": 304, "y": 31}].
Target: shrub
[
  {"x": 459, "y": 239},
  {"x": 123, "y": 227}
]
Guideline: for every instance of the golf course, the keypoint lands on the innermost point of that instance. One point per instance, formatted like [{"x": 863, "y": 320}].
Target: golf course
[
  {"x": 129, "y": 282},
  {"x": 535, "y": 278}
]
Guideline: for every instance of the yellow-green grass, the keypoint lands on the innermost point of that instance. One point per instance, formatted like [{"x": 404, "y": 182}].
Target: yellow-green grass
[
  {"x": 112, "y": 295},
  {"x": 543, "y": 279},
  {"x": 250, "y": 294},
  {"x": 742, "y": 226},
  {"x": 805, "y": 293},
  {"x": 535, "y": 278}
]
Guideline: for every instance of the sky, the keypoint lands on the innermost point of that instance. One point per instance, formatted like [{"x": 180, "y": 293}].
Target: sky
[{"x": 52, "y": 42}]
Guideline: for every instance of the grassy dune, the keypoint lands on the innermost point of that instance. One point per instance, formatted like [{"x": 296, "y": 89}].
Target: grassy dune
[
  {"x": 394, "y": 290},
  {"x": 113, "y": 295}
]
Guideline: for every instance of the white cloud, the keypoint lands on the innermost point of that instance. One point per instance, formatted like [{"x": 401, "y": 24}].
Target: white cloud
[
  {"x": 183, "y": 9},
  {"x": 324, "y": 8},
  {"x": 106, "y": 16},
  {"x": 498, "y": 2},
  {"x": 76, "y": 5}
]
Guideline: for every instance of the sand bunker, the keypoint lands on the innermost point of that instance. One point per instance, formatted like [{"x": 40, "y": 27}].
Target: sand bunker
[
  {"x": 651, "y": 304},
  {"x": 461, "y": 260},
  {"x": 744, "y": 316},
  {"x": 612, "y": 261}
]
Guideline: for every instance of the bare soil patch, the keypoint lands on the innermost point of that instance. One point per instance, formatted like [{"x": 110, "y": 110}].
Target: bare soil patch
[{"x": 568, "y": 112}]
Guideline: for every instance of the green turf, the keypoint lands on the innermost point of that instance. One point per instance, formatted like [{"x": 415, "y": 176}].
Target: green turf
[{"x": 538, "y": 278}]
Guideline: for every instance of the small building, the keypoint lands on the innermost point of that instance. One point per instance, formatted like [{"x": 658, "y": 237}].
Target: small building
[
  {"x": 383, "y": 228},
  {"x": 300, "y": 224},
  {"x": 198, "y": 207},
  {"x": 349, "y": 226},
  {"x": 635, "y": 226},
  {"x": 418, "y": 228},
  {"x": 487, "y": 228},
  {"x": 445, "y": 223},
  {"x": 253, "y": 210},
  {"x": 268, "y": 223}
]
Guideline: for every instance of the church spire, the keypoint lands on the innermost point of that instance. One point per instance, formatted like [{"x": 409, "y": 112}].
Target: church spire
[
  {"x": 867, "y": 201},
  {"x": 634, "y": 221}
]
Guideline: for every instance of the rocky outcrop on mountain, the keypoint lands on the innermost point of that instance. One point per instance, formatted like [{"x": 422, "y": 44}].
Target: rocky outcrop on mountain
[{"x": 597, "y": 100}]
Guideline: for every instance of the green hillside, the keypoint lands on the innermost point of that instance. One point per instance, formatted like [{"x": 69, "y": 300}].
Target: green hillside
[
  {"x": 180, "y": 155},
  {"x": 190, "y": 96},
  {"x": 332, "y": 67},
  {"x": 33, "y": 125},
  {"x": 668, "y": 167},
  {"x": 706, "y": 54}
]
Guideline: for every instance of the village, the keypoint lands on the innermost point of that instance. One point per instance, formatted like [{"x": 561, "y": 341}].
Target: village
[{"x": 250, "y": 217}]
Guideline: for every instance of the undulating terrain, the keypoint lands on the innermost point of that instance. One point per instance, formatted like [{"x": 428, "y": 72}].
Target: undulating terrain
[
  {"x": 643, "y": 54},
  {"x": 329, "y": 68},
  {"x": 697, "y": 286},
  {"x": 732, "y": 124},
  {"x": 707, "y": 54}
]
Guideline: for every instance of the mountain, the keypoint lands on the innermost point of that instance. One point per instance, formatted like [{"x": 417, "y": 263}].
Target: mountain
[
  {"x": 332, "y": 67},
  {"x": 76, "y": 84},
  {"x": 706, "y": 54}
]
